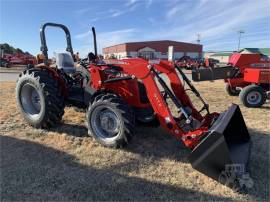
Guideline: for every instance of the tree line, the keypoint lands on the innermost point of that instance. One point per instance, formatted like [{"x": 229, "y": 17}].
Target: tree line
[{"x": 8, "y": 49}]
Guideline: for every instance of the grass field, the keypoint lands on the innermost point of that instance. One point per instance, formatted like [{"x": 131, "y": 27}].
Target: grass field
[{"x": 66, "y": 165}]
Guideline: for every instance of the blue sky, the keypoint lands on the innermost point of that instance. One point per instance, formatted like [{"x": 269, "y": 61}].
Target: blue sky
[{"x": 118, "y": 21}]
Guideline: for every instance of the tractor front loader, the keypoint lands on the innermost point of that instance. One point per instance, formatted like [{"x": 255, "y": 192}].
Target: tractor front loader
[{"x": 118, "y": 95}]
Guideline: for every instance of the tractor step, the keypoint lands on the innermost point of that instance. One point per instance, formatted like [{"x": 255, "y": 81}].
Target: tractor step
[
  {"x": 227, "y": 144},
  {"x": 76, "y": 97}
]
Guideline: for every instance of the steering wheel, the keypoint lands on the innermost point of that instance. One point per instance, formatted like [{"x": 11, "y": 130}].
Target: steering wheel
[{"x": 84, "y": 62}]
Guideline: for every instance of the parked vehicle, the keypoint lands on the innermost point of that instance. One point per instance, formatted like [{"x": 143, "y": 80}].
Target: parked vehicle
[{"x": 247, "y": 75}]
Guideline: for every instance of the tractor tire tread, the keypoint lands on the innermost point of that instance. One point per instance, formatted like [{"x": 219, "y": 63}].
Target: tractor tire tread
[
  {"x": 245, "y": 91},
  {"x": 127, "y": 116},
  {"x": 53, "y": 96}
]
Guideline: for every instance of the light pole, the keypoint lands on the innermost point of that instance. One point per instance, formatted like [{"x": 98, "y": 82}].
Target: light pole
[
  {"x": 240, "y": 33},
  {"x": 198, "y": 38}
]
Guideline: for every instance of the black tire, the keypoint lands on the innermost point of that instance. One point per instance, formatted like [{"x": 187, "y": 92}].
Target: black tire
[
  {"x": 253, "y": 96},
  {"x": 118, "y": 112},
  {"x": 232, "y": 91},
  {"x": 46, "y": 112}
]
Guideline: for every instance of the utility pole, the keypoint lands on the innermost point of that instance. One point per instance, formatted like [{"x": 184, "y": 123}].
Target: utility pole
[
  {"x": 198, "y": 38},
  {"x": 240, "y": 32}
]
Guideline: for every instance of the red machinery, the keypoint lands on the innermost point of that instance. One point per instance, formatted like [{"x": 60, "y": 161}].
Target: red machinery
[
  {"x": 246, "y": 74},
  {"x": 115, "y": 95},
  {"x": 21, "y": 59},
  {"x": 18, "y": 59},
  {"x": 187, "y": 62}
]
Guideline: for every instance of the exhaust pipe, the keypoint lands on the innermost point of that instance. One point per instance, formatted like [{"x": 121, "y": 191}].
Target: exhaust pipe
[
  {"x": 227, "y": 145},
  {"x": 95, "y": 40}
]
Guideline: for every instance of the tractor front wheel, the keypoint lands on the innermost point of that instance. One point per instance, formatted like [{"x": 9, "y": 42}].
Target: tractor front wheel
[
  {"x": 110, "y": 120},
  {"x": 253, "y": 96},
  {"x": 39, "y": 98},
  {"x": 232, "y": 91}
]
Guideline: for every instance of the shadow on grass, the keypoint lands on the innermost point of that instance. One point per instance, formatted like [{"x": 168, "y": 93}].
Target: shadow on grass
[
  {"x": 158, "y": 143},
  {"x": 155, "y": 143},
  {"x": 31, "y": 172},
  {"x": 147, "y": 141},
  {"x": 265, "y": 107},
  {"x": 259, "y": 165},
  {"x": 71, "y": 130}
]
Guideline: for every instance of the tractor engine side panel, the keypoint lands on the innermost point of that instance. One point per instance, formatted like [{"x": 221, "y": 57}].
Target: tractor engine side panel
[{"x": 129, "y": 91}]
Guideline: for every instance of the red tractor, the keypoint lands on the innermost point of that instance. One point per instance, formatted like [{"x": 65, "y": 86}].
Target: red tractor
[
  {"x": 246, "y": 74},
  {"x": 130, "y": 91}
]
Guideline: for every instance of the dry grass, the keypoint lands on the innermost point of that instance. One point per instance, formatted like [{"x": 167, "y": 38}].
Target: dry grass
[{"x": 67, "y": 165}]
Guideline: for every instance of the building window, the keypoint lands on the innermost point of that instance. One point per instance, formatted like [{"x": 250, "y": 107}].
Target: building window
[{"x": 147, "y": 54}]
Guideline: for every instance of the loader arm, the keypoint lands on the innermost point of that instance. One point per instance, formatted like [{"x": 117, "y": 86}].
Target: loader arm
[
  {"x": 147, "y": 73},
  {"x": 217, "y": 141}
]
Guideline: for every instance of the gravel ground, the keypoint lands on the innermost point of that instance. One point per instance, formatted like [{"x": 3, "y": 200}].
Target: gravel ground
[{"x": 64, "y": 164}]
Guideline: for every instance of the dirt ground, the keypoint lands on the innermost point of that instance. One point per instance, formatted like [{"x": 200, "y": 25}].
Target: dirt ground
[{"x": 64, "y": 164}]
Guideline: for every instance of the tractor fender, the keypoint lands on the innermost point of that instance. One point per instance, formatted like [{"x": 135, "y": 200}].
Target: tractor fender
[
  {"x": 57, "y": 77},
  {"x": 95, "y": 94}
]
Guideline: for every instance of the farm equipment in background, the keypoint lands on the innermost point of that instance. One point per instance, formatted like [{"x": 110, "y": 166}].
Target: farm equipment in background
[
  {"x": 21, "y": 59},
  {"x": 189, "y": 63},
  {"x": 185, "y": 62},
  {"x": 211, "y": 62},
  {"x": 247, "y": 75},
  {"x": 4, "y": 62},
  {"x": 8, "y": 60},
  {"x": 116, "y": 96}
]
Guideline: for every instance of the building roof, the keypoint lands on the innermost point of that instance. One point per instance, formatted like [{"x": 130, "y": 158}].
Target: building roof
[
  {"x": 264, "y": 51},
  {"x": 222, "y": 54},
  {"x": 160, "y": 46}
]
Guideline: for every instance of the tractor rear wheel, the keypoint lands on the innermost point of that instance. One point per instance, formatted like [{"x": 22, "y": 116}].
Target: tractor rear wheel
[
  {"x": 253, "y": 96},
  {"x": 232, "y": 91},
  {"x": 110, "y": 120},
  {"x": 39, "y": 98}
]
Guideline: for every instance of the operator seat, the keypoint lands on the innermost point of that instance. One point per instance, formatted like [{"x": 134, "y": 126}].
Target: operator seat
[{"x": 65, "y": 62}]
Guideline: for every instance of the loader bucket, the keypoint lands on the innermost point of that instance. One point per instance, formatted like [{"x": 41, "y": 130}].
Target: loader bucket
[{"x": 227, "y": 144}]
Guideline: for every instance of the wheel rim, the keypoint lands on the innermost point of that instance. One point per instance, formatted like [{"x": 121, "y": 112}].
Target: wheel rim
[
  {"x": 30, "y": 100},
  {"x": 105, "y": 122},
  {"x": 254, "y": 97}
]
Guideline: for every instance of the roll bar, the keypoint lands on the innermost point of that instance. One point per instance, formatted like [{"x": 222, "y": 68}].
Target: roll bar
[{"x": 44, "y": 47}]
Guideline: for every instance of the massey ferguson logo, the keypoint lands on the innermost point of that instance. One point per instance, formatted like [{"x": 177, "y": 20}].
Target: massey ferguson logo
[
  {"x": 261, "y": 65},
  {"x": 265, "y": 59}
]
